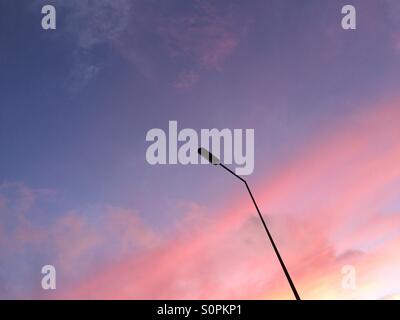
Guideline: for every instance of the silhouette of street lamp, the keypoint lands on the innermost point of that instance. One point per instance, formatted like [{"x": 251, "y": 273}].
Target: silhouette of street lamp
[{"x": 215, "y": 161}]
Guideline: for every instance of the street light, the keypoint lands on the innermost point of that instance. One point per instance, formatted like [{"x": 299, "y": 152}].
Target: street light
[{"x": 215, "y": 161}]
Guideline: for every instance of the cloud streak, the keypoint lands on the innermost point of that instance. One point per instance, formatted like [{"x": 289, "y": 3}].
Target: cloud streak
[
  {"x": 329, "y": 206},
  {"x": 324, "y": 209}
]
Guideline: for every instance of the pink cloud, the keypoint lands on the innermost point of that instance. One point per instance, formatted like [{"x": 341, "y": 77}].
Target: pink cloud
[
  {"x": 206, "y": 36},
  {"x": 17, "y": 209},
  {"x": 186, "y": 79},
  {"x": 339, "y": 182},
  {"x": 202, "y": 38},
  {"x": 324, "y": 208}
]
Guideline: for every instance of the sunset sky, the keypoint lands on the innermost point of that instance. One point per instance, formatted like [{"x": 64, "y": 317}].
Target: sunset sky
[{"x": 77, "y": 192}]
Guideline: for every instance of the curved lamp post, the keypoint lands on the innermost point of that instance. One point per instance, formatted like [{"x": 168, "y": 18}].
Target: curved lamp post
[{"x": 215, "y": 161}]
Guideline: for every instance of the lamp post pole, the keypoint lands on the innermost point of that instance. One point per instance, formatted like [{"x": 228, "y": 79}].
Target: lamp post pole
[{"x": 215, "y": 161}]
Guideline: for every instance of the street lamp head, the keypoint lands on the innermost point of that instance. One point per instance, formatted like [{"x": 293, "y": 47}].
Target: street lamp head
[{"x": 208, "y": 155}]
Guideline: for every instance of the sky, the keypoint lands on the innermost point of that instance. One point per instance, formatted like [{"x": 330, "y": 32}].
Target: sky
[{"x": 77, "y": 192}]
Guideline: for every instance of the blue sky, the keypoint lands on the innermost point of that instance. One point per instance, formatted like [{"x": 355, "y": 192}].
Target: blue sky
[{"x": 76, "y": 103}]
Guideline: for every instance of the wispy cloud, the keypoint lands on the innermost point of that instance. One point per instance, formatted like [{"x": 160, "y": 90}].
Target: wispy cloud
[
  {"x": 96, "y": 22},
  {"x": 74, "y": 240},
  {"x": 203, "y": 38},
  {"x": 392, "y": 8},
  {"x": 206, "y": 36},
  {"x": 90, "y": 25},
  {"x": 81, "y": 75},
  {"x": 324, "y": 209},
  {"x": 186, "y": 79}
]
